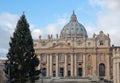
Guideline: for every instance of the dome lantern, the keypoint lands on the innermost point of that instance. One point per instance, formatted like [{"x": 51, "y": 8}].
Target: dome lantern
[{"x": 73, "y": 17}]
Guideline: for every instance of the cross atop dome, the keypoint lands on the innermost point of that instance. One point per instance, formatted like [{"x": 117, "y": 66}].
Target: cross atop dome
[{"x": 73, "y": 17}]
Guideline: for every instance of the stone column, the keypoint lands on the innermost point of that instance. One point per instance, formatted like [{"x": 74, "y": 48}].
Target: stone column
[
  {"x": 48, "y": 64},
  {"x": 84, "y": 66},
  {"x": 94, "y": 66},
  {"x": 107, "y": 66},
  {"x": 65, "y": 65},
  {"x": 57, "y": 73},
  {"x": 75, "y": 65},
  {"x": 39, "y": 63},
  {"x": 51, "y": 65},
  {"x": 118, "y": 72},
  {"x": 72, "y": 67},
  {"x": 114, "y": 71}
]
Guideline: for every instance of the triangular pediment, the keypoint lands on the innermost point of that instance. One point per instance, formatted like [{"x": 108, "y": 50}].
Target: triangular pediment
[{"x": 60, "y": 45}]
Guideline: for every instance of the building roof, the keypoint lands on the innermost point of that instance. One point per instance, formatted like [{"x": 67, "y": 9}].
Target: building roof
[{"x": 73, "y": 29}]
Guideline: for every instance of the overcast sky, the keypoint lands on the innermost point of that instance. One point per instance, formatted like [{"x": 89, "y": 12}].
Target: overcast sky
[{"x": 49, "y": 17}]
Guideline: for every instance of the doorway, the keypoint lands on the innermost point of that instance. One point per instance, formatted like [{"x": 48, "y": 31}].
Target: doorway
[
  {"x": 101, "y": 69},
  {"x": 79, "y": 71},
  {"x": 61, "y": 72}
]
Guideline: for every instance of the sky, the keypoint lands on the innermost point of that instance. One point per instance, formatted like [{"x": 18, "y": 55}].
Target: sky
[{"x": 49, "y": 17}]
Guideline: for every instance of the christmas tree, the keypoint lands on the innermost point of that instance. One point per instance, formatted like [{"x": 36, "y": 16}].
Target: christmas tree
[{"x": 21, "y": 63}]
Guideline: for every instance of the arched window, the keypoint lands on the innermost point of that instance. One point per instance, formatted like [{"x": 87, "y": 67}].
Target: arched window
[{"x": 101, "y": 69}]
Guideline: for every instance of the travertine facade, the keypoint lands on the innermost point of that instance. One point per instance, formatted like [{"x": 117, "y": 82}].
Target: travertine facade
[
  {"x": 116, "y": 64},
  {"x": 73, "y": 54}
]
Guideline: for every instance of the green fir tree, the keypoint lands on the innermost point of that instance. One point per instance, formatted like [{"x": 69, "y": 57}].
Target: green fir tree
[{"x": 21, "y": 63}]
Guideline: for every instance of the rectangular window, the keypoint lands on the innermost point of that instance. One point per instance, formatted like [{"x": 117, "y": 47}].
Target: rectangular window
[
  {"x": 43, "y": 58},
  {"x": 79, "y": 58},
  {"x": 61, "y": 57},
  {"x": 54, "y": 73},
  {"x": 54, "y": 64},
  {"x": 43, "y": 44},
  {"x": 102, "y": 57},
  {"x": 101, "y": 42},
  {"x": 54, "y": 58},
  {"x": 69, "y": 73},
  {"x": 68, "y": 58},
  {"x": 89, "y": 43},
  {"x": 61, "y": 72},
  {"x": 43, "y": 72},
  {"x": 79, "y": 71}
]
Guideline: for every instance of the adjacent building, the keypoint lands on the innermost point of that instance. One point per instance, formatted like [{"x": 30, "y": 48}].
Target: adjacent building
[
  {"x": 116, "y": 64},
  {"x": 1, "y": 70}
]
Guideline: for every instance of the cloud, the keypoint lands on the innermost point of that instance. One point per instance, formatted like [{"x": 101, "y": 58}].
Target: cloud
[
  {"x": 36, "y": 33},
  {"x": 52, "y": 28},
  {"x": 8, "y": 23},
  {"x": 108, "y": 18},
  {"x": 3, "y": 51},
  {"x": 96, "y": 2},
  {"x": 7, "y": 26}
]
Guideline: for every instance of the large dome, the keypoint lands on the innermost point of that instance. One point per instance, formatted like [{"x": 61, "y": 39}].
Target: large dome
[{"x": 73, "y": 29}]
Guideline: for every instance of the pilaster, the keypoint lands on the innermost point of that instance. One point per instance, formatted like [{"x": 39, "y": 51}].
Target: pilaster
[
  {"x": 48, "y": 68},
  {"x": 57, "y": 65},
  {"x": 108, "y": 67},
  {"x": 84, "y": 66},
  {"x": 118, "y": 72},
  {"x": 72, "y": 67},
  {"x": 65, "y": 65},
  {"x": 75, "y": 65},
  {"x": 39, "y": 63},
  {"x": 51, "y": 65},
  {"x": 94, "y": 66}
]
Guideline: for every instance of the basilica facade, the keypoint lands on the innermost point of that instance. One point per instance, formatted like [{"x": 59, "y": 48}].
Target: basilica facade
[{"x": 73, "y": 54}]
